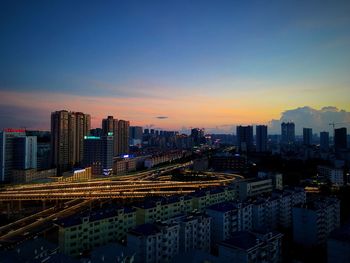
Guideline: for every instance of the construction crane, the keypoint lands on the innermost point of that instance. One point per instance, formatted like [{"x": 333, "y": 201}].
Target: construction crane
[{"x": 337, "y": 123}]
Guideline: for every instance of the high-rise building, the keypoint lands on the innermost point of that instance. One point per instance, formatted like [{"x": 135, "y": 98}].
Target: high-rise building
[
  {"x": 123, "y": 137},
  {"x": 288, "y": 132},
  {"x": 25, "y": 152},
  {"x": 198, "y": 136},
  {"x": 67, "y": 138},
  {"x": 261, "y": 138},
  {"x": 98, "y": 153},
  {"x": 7, "y": 152},
  {"x": 340, "y": 139},
  {"x": 324, "y": 141},
  {"x": 110, "y": 127},
  {"x": 135, "y": 135},
  {"x": 43, "y": 148},
  {"x": 245, "y": 138},
  {"x": 307, "y": 136}
]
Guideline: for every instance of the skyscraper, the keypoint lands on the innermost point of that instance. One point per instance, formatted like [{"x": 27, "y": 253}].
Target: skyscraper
[
  {"x": 67, "y": 138},
  {"x": 98, "y": 153},
  {"x": 261, "y": 138},
  {"x": 7, "y": 152},
  {"x": 123, "y": 137},
  {"x": 324, "y": 141},
  {"x": 287, "y": 132},
  {"x": 307, "y": 136},
  {"x": 340, "y": 139},
  {"x": 110, "y": 127},
  {"x": 245, "y": 137}
]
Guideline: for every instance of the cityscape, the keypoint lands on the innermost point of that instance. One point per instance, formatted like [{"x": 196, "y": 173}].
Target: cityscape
[{"x": 174, "y": 131}]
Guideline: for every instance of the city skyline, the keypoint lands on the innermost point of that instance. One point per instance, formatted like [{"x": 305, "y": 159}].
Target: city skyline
[{"x": 175, "y": 64}]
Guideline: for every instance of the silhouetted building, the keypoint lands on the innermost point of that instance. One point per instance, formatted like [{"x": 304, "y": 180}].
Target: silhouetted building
[
  {"x": 98, "y": 153},
  {"x": 324, "y": 141},
  {"x": 198, "y": 136},
  {"x": 261, "y": 138},
  {"x": 67, "y": 138},
  {"x": 110, "y": 128},
  {"x": 245, "y": 138},
  {"x": 287, "y": 132},
  {"x": 123, "y": 137},
  {"x": 307, "y": 136},
  {"x": 340, "y": 139}
]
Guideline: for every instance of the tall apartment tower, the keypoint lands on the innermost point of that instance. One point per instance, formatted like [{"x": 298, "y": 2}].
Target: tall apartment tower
[
  {"x": 261, "y": 138},
  {"x": 287, "y": 132},
  {"x": 7, "y": 152},
  {"x": 307, "y": 136},
  {"x": 324, "y": 141},
  {"x": 245, "y": 137},
  {"x": 123, "y": 137},
  {"x": 110, "y": 128},
  {"x": 340, "y": 139},
  {"x": 67, "y": 138}
]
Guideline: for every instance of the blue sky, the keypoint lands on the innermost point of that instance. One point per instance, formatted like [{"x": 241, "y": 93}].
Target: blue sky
[{"x": 268, "y": 55}]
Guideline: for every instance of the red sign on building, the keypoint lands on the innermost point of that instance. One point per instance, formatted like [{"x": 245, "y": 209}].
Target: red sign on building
[{"x": 14, "y": 130}]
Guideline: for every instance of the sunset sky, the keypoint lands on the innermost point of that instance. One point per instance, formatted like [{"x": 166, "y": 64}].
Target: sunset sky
[{"x": 198, "y": 63}]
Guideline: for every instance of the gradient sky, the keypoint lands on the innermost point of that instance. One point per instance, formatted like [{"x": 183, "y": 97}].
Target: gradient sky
[{"x": 200, "y": 63}]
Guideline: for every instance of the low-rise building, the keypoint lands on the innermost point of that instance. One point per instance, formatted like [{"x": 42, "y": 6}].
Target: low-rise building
[
  {"x": 334, "y": 175},
  {"x": 154, "y": 243},
  {"x": 195, "y": 232},
  {"x": 338, "y": 245},
  {"x": 253, "y": 187},
  {"x": 76, "y": 175},
  {"x": 88, "y": 230},
  {"x": 124, "y": 165},
  {"x": 207, "y": 197},
  {"x": 229, "y": 217},
  {"x": 315, "y": 220},
  {"x": 162, "y": 209},
  {"x": 164, "y": 157},
  {"x": 245, "y": 246},
  {"x": 31, "y": 175}
]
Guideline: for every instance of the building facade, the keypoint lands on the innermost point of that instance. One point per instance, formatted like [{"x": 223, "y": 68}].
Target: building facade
[
  {"x": 261, "y": 138},
  {"x": 315, "y": 220},
  {"x": 68, "y": 130}
]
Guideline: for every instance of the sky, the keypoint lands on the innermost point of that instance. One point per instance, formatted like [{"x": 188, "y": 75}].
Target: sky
[{"x": 211, "y": 64}]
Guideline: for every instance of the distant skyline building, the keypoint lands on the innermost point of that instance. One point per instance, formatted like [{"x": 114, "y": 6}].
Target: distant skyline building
[
  {"x": 198, "y": 136},
  {"x": 98, "y": 154},
  {"x": 307, "y": 136},
  {"x": 67, "y": 138},
  {"x": 123, "y": 137},
  {"x": 261, "y": 138},
  {"x": 245, "y": 137},
  {"x": 324, "y": 141},
  {"x": 7, "y": 151},
  {"x": 135, "y": 135},
  {"x": 287, "y": 132},
  {"x": 340, "y": 139}
]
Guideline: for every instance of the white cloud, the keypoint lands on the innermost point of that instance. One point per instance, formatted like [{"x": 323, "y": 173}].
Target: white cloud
[{"x": 308, "y": 117}]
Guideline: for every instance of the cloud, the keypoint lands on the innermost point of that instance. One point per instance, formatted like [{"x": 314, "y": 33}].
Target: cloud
[
  {"x": 307, "y": 117},
  {"x": 162, "y": 117}
]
